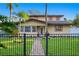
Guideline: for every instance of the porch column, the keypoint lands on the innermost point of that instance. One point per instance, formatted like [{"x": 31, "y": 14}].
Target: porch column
[
  {"x": 31, "y": 28},
  {"x": 23, "y": 28}
]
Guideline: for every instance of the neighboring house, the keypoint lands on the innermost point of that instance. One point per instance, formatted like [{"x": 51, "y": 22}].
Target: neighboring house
[
  {"x": 36, "y": 24},
  {"x": 74, "y": 29}
]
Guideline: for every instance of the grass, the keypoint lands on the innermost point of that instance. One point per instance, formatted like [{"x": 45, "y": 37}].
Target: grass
[
  {"x": 15, "y": 46},
  {"x": 64, "y": 46}
]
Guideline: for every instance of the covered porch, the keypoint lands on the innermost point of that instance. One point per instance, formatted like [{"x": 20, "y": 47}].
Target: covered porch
[{"x": 32, "y": 27}]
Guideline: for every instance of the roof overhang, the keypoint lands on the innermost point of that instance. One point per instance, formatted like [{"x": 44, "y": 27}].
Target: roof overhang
[
  {"x": 49, "y": 23},
  {"x": 47, "y": 15}
]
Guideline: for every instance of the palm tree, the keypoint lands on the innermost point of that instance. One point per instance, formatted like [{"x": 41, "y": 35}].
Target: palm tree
[
  {"x": 23, "y": 15},
  {"x": 10, "y": 6}
]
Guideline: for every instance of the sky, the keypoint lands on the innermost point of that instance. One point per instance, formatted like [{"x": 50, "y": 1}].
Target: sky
[{"x": 69, "y": 10}]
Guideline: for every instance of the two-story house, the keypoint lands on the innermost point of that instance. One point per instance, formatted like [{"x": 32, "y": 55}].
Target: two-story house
[{"x": 36, "y": 24}]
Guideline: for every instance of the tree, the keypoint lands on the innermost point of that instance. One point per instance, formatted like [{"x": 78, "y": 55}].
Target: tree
[
  {"x": 76, "y": 21},
  {"x": 8, "y": 27},
  {"x": 65, "y": 19},
  {"x": 22, "y": 14},
  {"x": 2, "y": 18},
  {"x": 10, "y": 6}
]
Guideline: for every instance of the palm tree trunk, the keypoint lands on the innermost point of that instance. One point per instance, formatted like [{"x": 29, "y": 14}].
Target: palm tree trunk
[{"x": 10, "y": 9}]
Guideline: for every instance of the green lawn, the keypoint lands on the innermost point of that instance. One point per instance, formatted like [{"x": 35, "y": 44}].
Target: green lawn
[
  {"x": 14, "y": 46},
  {"x": 56, "y": 46},
  {"x": 62, "y": 46}
]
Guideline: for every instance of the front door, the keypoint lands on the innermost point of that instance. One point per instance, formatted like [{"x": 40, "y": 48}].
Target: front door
[{"x": 41, "y": 31}]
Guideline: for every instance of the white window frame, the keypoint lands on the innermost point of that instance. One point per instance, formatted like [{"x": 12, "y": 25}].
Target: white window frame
[
  {"x": 32, "y": 29},
  {"x": 29, "y": 29},
  {"x": 58, "y": 28}
]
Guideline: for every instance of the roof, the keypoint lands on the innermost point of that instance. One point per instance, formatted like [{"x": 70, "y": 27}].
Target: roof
[
  {"x": 47, "y": 15},
  {"x": 59, "y": 22},
  {"x": 49, "y": 22}
]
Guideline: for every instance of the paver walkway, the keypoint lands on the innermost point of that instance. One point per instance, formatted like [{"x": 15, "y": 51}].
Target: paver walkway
[{"x": 37, "y": 49}]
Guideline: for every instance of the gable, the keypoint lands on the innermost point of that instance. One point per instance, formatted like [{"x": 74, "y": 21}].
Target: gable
[{"x": 33, "y": 23}]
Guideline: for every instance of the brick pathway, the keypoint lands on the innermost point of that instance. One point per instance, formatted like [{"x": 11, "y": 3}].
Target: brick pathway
[{"x": 37, "y": 49}]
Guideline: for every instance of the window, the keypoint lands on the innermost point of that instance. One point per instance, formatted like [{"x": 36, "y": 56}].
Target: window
[
  {"x": 50, "y": 18},
  {"x": 33, "y": 29},
  {"x": 22, "y": 29},
  {"x": 57, "y": 18},
  {"x": 27, "y": 29},
  {"x": 17, "y": 26},
  {"x": 58, "y": 28}
]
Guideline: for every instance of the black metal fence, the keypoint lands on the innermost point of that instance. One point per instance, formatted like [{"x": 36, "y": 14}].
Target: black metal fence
[
  {"x": 16, "y": 45},
  {"x": 53, "y": 44},
  {"x": 61, "y": 44}
]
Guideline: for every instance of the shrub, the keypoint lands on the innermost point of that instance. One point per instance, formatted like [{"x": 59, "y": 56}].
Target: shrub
[{"x": 2, "y": 45}]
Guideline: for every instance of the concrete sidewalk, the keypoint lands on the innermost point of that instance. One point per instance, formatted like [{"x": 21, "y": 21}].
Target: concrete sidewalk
[{"x": 37, "y": 49}]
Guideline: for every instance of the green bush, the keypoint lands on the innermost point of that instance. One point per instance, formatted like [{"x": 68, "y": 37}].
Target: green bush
[{"x": 2, "y": 45}]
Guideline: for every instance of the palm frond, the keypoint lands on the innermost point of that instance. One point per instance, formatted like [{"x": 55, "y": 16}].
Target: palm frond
[{"x": 23, "y": 14}]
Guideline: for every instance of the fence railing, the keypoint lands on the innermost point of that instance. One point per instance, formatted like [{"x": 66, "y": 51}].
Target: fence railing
[
  {"x": 62, "y": 44},
  {"x": 16, "y": 45},
  {"x": 52, "y": 44}
]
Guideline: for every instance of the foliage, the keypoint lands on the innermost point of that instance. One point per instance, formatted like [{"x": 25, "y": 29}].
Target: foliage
[
  {"x": 2, "y": 45},
  {"x": 2, "y": 18},
  {"x": 9, "y": 27},
  {"x": 22, "y": 14},
  {"x": 76, "y": 21},
  {"x": 11, "y": 6}
]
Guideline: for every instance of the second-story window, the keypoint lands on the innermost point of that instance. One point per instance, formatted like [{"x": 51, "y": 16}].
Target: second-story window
[
  {"x": 58, "y": 28},
  {"x": 50, "y": 19},
  {"x": 57, "y": 19}
]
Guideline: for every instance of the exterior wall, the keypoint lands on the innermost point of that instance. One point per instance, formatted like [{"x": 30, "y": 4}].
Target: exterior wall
[
  {"x": 51, "y": 29},
  {"x": 39, "y": 18}
]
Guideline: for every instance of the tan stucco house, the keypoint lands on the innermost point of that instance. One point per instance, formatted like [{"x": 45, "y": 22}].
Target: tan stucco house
[{"x": 36, "y": 24}]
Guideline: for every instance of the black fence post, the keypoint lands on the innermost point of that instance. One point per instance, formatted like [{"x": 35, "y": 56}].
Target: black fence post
[
  {"x": 24, "y": 44},
  {"x": 47, "y": 44}
]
